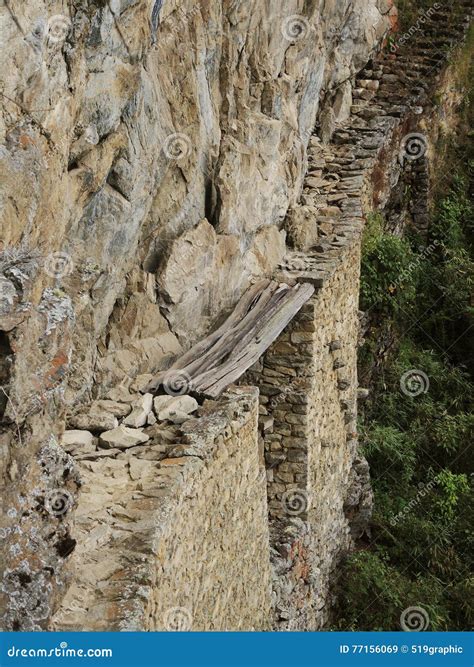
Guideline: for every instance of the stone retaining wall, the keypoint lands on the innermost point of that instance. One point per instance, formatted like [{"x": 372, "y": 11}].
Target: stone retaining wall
[
  {"x": 318, "y": 483},
  {"x": 159, "y": 543},
  {"x": 319, "y": 496},
  {"x": 332, "y": 437},
  {"x": 308, "y": 388}
]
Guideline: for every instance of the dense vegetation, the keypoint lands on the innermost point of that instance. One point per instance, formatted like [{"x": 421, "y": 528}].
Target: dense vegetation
[{"x": 417, "y": 432}]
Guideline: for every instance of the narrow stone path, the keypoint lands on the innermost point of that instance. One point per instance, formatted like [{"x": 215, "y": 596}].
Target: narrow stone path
[
  {"x": 348, "y": 176},
  {"x": 347, "y": 179}
]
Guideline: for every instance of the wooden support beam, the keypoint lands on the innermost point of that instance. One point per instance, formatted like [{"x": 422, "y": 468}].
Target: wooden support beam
[{"x": 214, "y": 363}]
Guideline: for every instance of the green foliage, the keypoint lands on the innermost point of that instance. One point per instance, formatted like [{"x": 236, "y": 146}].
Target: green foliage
[
  {"x": 409, "y": 11},
  {"x": 419, "y": 448},
  {"x": 388, "y": 446},
  {"x": 452, "y": 487},
  {"x": 446, "y": 284},
  {"x": 388, "y": 269},
  {"x": 449, "y": 430},
  {"x": 375, "y": 593}
]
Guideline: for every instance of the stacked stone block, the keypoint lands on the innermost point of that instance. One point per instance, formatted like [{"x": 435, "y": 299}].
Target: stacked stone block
[
  {"x": 308, "y": 388},
  {"x": 159, "y": 544}
]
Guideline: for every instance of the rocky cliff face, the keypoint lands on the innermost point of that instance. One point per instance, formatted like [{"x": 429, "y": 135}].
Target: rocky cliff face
[
  {"x": 150, "y": 152},
  {"x": 150, "y": 156}
]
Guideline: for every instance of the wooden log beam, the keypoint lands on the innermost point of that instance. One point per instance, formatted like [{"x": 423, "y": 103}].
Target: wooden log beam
[
  {"x": 223, "y": 357},
  {"x": 243, "y": 306},
  {"x": 212, "y": 384}
]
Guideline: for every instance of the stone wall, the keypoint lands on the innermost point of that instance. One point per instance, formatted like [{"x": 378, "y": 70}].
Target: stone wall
[
  {"x": 214, "y": 559},
  {"x": 308, "y": 395},
  {"x": 149, "y": 153},
  {"x": 160, "y": 528},
  {"x": 151, "y": 243},
  {"x": 318, "y": 483},
  {"x": 332, "y": 437}
]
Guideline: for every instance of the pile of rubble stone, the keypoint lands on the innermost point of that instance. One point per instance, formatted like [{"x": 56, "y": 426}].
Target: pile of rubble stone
[{"x": 109, "y": 427}]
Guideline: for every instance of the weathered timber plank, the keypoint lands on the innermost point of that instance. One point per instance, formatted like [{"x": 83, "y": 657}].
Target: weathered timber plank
[
  {"x": 212, "y": 385},
  {"x": 221, "y": 358},
  {"x": 247, "y": 335},
  {"x": 243, "y": 306},
  {"x": 228, "y": 338}
]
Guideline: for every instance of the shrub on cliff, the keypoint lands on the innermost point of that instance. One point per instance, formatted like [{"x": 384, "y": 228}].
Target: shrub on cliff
[
  {"x": 389, "y": 270},
  {"x": 418, "y": 444}
]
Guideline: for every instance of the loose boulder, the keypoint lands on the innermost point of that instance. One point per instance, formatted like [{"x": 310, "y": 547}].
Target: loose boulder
[{"x": 122, "y": 437}]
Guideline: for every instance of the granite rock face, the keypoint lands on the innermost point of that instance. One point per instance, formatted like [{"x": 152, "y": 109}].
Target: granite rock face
[{"x": 148, "y": 158}]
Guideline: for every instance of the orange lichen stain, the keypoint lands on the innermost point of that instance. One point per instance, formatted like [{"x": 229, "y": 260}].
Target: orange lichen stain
[
  {"x": 394, "y": 29},
  {"x": 379, "y": 176},
  {"x": 393, "y": 18},
  {"x": 180, "y": 460},
  {"x": 25, "y": 141},
  {"x": 299, "y": 554},
  {"x": 295, "y": 548},
  {"x": 57, "y": 371}
]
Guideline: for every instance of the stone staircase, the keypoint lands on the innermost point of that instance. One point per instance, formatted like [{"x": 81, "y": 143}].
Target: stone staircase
[
  {"x": 390, "y": 94},
  {"x": 346, "y": 179}
]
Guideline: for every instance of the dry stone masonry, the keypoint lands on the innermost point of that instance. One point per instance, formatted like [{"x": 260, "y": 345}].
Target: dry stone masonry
[
  {"x": 158, "y": 543},
  {"x": 194, "y": 176}
]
